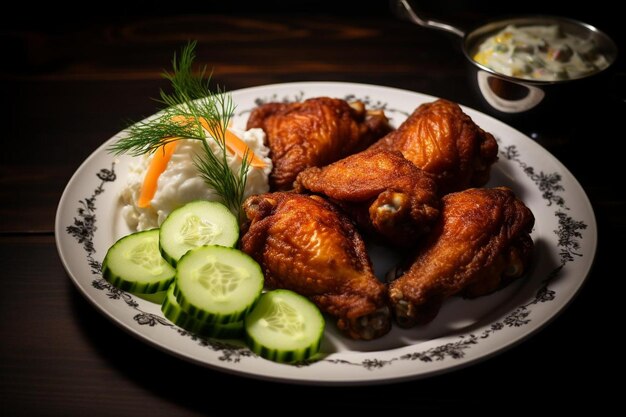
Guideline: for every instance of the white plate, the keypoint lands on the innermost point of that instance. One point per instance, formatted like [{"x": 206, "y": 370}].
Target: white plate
[{"x": 88, "y": 222}]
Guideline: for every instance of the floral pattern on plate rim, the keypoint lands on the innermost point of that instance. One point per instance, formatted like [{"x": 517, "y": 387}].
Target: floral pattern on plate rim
[{"x": 549, "y": 184}]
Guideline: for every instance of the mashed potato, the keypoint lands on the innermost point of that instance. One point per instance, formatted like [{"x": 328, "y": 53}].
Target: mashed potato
[{"x": 180, "y": 183}]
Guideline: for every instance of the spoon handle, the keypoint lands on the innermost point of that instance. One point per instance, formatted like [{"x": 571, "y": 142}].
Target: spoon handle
[{"x": 404, "y": 10}]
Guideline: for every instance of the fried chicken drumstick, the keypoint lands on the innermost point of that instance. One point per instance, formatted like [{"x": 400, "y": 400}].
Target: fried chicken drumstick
[
  {"x": 303, "y": 243},
  {"x": 381, "y": 190},
  {"x": 480, "y": 243},
  {"x": 442, "y": 140},
  {"x": 313, "y": 133}
]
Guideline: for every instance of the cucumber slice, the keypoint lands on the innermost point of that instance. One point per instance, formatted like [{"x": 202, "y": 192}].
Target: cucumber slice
[
  {"x": 174, "y": 312},
  {"x": 215, "y": 284},
  {"x": 134, "y": 264},
  {"x": 284, "y": 327},
  {"x": 156, "y": 298},
  {"x": 196, "y": 224}
]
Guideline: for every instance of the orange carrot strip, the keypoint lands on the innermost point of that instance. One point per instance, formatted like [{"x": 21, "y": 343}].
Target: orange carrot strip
[
  {"x": 239, "y": 148},
  {"x": 157, "y": 166},
  {"x": 236, "y": 146}
]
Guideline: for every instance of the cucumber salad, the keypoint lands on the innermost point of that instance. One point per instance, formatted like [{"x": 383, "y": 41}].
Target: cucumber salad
[{"x": 211, "y": 288}]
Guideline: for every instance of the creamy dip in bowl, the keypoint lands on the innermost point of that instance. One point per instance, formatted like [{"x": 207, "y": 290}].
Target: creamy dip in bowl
[{"x": 545, "y": 53}]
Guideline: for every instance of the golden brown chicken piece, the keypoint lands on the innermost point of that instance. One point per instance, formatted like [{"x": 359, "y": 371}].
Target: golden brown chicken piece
[
  {"x": 313, "y": 133},
  {"x": 442, "y": 140},
  {"x": 481, "y": 242},
  {"x": 304, "y": 244},
  {"x": 381, "y": 190}
]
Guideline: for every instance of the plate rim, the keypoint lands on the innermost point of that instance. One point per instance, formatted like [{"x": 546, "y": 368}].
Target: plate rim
[{"x": 308, "y": 85}]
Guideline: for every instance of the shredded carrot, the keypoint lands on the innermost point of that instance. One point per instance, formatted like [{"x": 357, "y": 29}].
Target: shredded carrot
[
  {"x": 239, "y": 148},
  {"x": 157, "y": 166},
  {"x": 233, "y": 143},
  {"x": 236, "y": 146}
]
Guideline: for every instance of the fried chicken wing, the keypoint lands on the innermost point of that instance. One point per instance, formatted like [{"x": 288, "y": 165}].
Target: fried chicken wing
[
  {"x": 303, "y": 243},
  {"x": 442, "y": 140},
  {"x": 481, "y": 242},
  {"x": 381, "y": 190},
  {"x": 313, "y": 133}
]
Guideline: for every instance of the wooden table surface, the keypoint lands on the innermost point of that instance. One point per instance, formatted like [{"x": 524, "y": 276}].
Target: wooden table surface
[{"x": 66, "y": 90}]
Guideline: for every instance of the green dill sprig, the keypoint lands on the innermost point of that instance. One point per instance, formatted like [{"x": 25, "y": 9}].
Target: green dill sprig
[
  {"x": 147, "y": 136},
  {"x": 191, "y": 109}
]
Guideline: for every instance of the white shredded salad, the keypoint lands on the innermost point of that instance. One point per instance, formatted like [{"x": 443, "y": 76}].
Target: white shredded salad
[{"x": 181, "y": 183}]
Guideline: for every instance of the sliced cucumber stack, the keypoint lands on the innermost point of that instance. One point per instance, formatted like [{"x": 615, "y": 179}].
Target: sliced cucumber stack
[
  {"x": 217, "y": 285},
  {"x": 134, "y": 264},
  {"x": 211, "y": 289},
  {"x": 284, "y": 327},
  {"x": 174, "y": 312},
  {"x": 196, "y": 224}
]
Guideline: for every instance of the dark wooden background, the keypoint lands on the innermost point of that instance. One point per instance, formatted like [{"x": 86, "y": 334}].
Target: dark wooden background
[{"x": 68, "y": 83}]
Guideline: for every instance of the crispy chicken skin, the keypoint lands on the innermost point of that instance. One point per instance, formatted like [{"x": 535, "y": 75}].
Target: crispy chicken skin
[
  {"x": 314, "y": 132},
  {"x": 303, "y": 243},
  {"x": 480, "y": 243},
  {"x": 442, "y": 140},
  {"x": 381, "y": 190}
]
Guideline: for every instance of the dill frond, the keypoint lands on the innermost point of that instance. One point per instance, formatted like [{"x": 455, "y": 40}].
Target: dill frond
[{"x": 190, "y": 104}]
